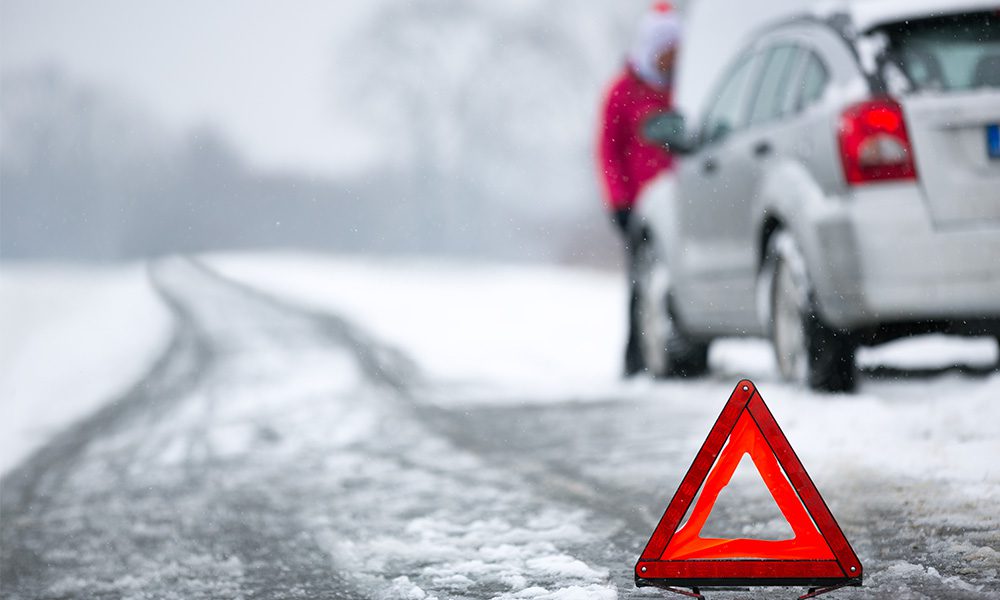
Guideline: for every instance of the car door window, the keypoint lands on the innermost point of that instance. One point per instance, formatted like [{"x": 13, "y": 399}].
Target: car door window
[
  {"x": 725, "y": 114},
  {"x": 813, "y": 81},
  {"x": 773, "y": 86}
]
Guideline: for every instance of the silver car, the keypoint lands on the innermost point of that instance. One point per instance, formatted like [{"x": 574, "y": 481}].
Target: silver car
[{"x": 842, "y": 188}]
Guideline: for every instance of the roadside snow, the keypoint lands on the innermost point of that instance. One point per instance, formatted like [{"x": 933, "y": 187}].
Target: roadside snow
[
  {"x": 531, "y": 329},
  {"x": 73, "y": 337}
]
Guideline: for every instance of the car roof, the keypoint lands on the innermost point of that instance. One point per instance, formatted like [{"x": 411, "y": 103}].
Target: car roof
[
  {"x": 865, "y": 15},
  {"x": 851, "y": 19}
]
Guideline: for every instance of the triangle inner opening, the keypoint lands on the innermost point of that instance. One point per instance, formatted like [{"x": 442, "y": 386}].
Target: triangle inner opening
[{"x": 745, "y": 509}]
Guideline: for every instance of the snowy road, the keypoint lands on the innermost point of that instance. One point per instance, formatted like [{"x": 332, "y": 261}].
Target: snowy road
[{"x": 280, "y": 452}]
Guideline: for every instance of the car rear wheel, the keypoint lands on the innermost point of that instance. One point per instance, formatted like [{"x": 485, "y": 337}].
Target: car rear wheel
[
  {"x": 662, "y": 348},
  {"x": 808, "y": 351}
]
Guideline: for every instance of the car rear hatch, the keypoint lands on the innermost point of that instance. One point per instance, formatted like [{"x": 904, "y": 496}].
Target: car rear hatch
[{"x": 951, "y": 67}]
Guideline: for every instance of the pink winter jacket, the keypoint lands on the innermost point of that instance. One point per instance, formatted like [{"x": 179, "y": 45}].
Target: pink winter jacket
[{"x": 626, "y": 161}]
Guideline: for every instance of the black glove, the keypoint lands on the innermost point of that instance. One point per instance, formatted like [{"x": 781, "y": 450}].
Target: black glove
[{"x": 621, "y": 217}]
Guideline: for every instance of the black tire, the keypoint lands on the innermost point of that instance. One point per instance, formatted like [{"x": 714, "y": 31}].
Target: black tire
[
  {"x": 808, "y": 351},
  {"x": 657, "y": 344},
  {"x": 686, "y": 357}
]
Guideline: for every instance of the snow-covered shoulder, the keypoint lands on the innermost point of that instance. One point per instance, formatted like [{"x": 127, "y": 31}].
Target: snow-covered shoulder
[{"x": 73, "y": 338}]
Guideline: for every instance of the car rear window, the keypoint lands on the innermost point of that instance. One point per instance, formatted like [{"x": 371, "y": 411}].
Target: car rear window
[{"x": 957, "y": 52}]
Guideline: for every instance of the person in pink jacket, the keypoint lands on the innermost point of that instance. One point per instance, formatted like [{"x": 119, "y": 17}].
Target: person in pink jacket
[{"x": 626, "y": 161}]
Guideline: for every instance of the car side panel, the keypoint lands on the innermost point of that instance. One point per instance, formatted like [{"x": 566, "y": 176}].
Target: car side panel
[
  {"x": 715, "y": 281},
  {"x": 805, "y": 190}
]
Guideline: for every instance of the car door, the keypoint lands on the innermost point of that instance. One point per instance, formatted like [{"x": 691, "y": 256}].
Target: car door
[
  {"x": 761, "y": 145},
  {"x": 709, "y": 186}
]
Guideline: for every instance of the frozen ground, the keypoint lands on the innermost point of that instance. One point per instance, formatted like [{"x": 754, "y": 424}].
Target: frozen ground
[{"x": 413, "y": 430}]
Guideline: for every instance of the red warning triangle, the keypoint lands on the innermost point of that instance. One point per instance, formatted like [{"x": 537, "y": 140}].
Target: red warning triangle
[{"x": 818, "y": 554}]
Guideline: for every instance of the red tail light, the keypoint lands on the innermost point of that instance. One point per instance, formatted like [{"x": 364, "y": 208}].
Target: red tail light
[{"x": 874, "y": 145}]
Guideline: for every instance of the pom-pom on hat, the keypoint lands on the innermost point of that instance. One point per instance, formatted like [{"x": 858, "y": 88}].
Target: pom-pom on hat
[{"x": 659, "y": 30}]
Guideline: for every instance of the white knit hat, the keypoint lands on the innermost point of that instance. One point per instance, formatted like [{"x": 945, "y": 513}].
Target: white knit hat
[{"x": 659, "y": 30}]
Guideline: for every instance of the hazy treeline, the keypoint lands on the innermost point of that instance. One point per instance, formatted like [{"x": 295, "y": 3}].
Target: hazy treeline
[
  {"x": 84, "y": 177},
  {"x": 484, "y": 112}
]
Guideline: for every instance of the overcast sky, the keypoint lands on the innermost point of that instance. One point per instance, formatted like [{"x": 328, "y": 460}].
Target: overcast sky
[
  {"x": 236, "y": 64},
  {"x": 261, "y": 71}
]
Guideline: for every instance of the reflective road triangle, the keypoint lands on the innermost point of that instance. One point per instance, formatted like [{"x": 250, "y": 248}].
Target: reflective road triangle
[{"x": 818, "y": 554}]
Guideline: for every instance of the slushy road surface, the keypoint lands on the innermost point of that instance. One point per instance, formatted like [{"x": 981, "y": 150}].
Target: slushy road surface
[{"x": 278, "y": 452}]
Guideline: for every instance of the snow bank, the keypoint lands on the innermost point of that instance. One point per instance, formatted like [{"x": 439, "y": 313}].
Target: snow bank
[{"x": 73, "y": 337}]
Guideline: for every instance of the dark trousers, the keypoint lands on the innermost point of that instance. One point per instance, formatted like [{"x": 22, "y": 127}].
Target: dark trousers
[{"x": 633, "y": 354}]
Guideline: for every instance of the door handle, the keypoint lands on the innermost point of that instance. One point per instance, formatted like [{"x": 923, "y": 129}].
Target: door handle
[
  {"x": 709, "y": 166},
  {"x": 762, "y": 148}
]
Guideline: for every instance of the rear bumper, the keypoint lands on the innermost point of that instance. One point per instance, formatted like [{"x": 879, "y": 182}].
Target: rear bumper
[{"x": 877, "y": 259}]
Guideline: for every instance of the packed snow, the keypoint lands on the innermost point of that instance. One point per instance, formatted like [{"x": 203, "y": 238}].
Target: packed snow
[{"x": 73, "y": 338}]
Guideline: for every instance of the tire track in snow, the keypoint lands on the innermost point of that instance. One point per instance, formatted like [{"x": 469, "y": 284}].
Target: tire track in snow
[
  {"x": 176, "y": 532},
  {"x": 209, "y": 526}
]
